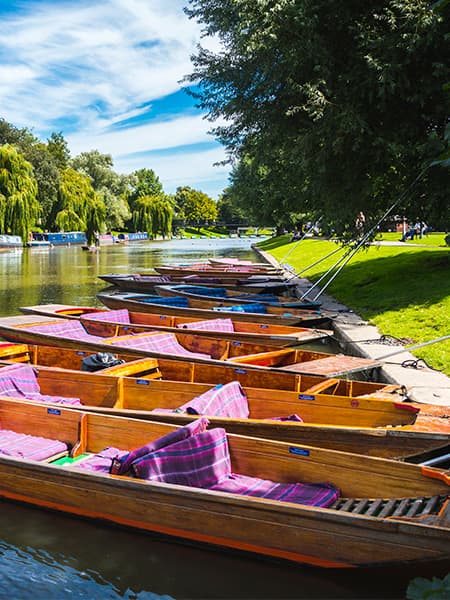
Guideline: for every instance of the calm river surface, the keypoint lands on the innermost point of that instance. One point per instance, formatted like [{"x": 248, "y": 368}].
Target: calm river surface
[{"x": 46, "y": 555}]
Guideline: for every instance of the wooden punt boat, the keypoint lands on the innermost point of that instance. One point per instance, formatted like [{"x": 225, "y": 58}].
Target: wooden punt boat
[
  {"x": 68, "y": 333},
  {"x": 142, "y": 282},
  {"x": 307, "y": 386},
  {"x": 122, "y": 322},
  {"x": 371, "y": 511},
  {"x": 238, "y": 262},
  {"x": 188, "y": 307},
  {"x": 230, "y": 298},
  {"x": 330, "y": 420},
  {"x": 216, "y": 270},
  {"x": 373, "y": 427}
]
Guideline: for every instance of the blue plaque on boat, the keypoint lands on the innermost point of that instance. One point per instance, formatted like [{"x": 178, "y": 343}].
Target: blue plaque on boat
[
  {"x": 53, "y": 411},
  {"x": 240, "y": 371},
  {"x": 306, "y": 397},
  {"x": 142, "y": 381},
  {"x": 299, "y": 451},
  {"x": 237, "y": 343},
  {"x": 80, "y": 353}
]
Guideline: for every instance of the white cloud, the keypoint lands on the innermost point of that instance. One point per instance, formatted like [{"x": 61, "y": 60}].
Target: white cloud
[
  {"x": 93, "y": 64},
  {"x": 194, "y": 168}
]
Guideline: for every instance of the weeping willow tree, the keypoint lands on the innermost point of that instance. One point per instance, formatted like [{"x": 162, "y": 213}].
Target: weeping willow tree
[
  {"x": 153, "y": 214},
  {"x": 95, "y": 218},
  {"x": 19, "y": 208},
  {"x": 79, "y": 207}
]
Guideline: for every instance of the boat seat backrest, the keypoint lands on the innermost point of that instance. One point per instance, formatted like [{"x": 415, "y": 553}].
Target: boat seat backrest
[
  {"x": 227, "y": 400},
  {"x": 164, "y": 343},
  {"x": 209, "y": 325},
  {"x": 121, "y": 316},
  {"x": 30, "y": 447}
]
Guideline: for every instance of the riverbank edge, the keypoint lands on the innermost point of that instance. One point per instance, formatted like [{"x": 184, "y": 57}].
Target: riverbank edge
[{"x": 355, "y": 336}]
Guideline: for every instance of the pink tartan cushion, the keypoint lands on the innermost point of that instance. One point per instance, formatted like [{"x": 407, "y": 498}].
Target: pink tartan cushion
[
  {"x": 163, "y": 343},
  {"x": 21, "y": 445},
  {"x": 122, "y": 465},
  {"x": 198, "y": 461},
  {"x": 70, "y": 329},
  {"x": 102, "y": 461},
  {"x": 311, "y": 494},
  {"x": 227, "y": 400},
  {"x": 19, "y": 381},
  {"x": 114, "y": 316},
  {"x": 210, "y": 325}
]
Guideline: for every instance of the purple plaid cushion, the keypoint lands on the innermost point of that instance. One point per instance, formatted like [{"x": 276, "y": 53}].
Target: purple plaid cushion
[
  {"x": 198, "y": 461},
  {"x": 19, "y": 381},
  {"x": 102, "y": 461},
  {"x": 209, "y": 325},
  {"x": 21, "y": 445},
  {"x": 114, "y": 316},
  {"x": 122, "y": 465},
  {"x": 227, "y": 400},
  {"x": 163, "y": 343},
  {"x": 70, "y": 329},
  {"x": 311, "y": 494}
]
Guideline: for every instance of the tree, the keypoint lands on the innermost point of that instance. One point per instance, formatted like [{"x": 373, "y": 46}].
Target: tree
[
  {"x": 153, "y": 214},
  {"x": 46, "y": 173},
  {"x": 144, "y": 182},
  {"x": 195, "y": 206},
  {"x": 78, "y": 206},
  {"x": 337, "y": 106},
  {"x": 229, "y": 212},
  {"x": 19, "y": 208},
  {"x": 59, "y": 149},
  {"x": 95, "y": 218},
  {"x": 45, "y": 168},
  {"x": 112, "y": 187}
]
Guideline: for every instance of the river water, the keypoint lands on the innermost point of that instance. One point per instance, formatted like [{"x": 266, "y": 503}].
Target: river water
[{"x": 46, "y": 555}]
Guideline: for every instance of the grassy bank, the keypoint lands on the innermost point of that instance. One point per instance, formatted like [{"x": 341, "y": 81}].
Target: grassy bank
[{"x": 404, "y": 290}]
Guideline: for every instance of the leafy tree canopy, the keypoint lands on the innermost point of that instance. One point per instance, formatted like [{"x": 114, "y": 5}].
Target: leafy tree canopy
[
  {"x": 153, "y": 214},
  {"x": 329, "y": 106},
  {"x": 195, "y": 206},
  {"x": 59, "y": 149},
  {"x": 19, "y": 208},
  {"x": 230, "y": 212},
  {"x": 112, "y": 187},
  {"x": 75, "y": 198},
  {"x": 144, "y": 182}
]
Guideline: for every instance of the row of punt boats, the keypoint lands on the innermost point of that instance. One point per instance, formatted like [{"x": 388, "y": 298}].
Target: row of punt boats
[{"x": 210, "y": 424}]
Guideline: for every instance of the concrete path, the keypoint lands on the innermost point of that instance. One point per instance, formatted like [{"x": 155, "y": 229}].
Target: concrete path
[{"x": 357, "y": 337}]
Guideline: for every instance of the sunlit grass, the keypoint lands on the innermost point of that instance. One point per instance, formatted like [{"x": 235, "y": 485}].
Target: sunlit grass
[
  {"x": 404, "y": 290},
  {"x": 432, "y": 239}
]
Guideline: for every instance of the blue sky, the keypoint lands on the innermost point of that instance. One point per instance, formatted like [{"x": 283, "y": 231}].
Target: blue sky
[{"x": 106, "y": 73}]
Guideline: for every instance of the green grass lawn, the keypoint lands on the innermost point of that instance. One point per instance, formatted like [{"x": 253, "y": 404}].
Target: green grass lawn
[
  {"x": 432, "y": 239},
  {"x": 404, "y": 290}
]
